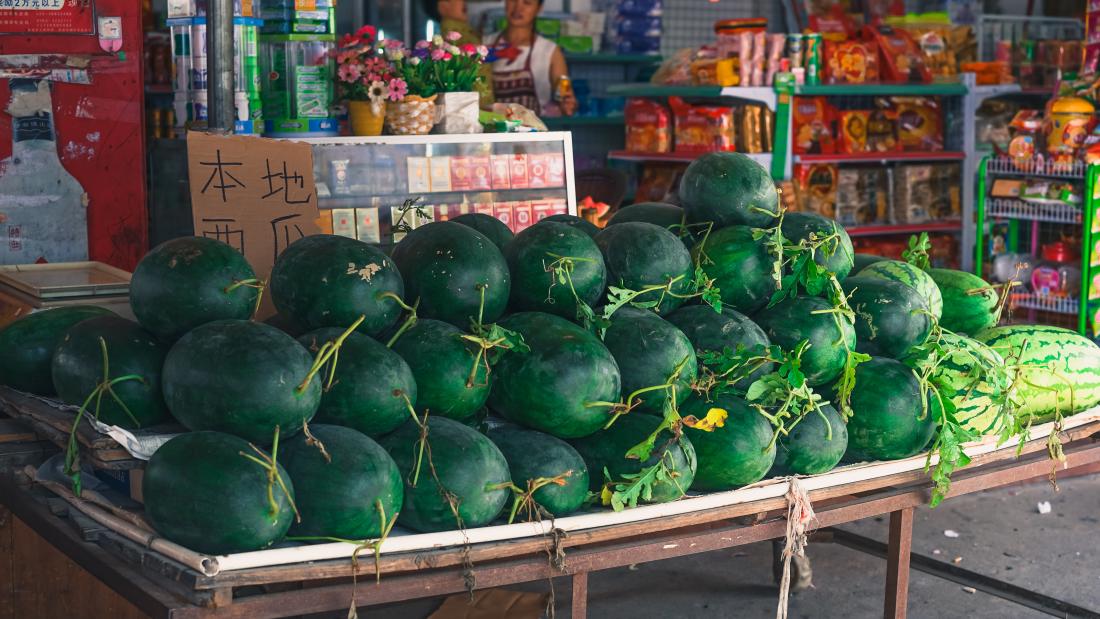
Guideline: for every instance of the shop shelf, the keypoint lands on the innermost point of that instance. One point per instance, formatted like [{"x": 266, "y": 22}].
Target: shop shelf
[
  {"x": 1011, "y": 208},
  {"x": 608, "y": 58},
  {"x": 565, "y": 122},
  {"x": 1045, "y": 303},
  {"x": 759, "y": 94},
  {"x": 945, "y": 88},
  {"x": 881, "y": 157},
  {"x": 952, "y": 225},
  {"x": 364, "y": 199},
  {"x": 1006, "y": 166},
  {"x": 763, "y": 159}
]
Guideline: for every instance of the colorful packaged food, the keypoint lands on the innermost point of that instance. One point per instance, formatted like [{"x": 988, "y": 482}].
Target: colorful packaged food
[
  {"x": 702, "y": 128},
  {"x": 657, "y": 181},
  {"x": 812, "y": 119},
  {"x": 989, "y": 73},
  {"x": 439, "y": 170},
  {"x": 815, "y": 186},
  {"x": 852, "y": 130},
  {"x": 919, "y": 123},
  {"x": 902, "y": 60},
  {"x": 946, "y": 200},
  {"x": 862, "y": 195},
  {"x": 648, "y": 127},
  {"x": 882, "y": 131},
  {"x": 851, "y": 62},
  {"x": 912, "y": 194},
  {"x": 1026, "y": 126}
]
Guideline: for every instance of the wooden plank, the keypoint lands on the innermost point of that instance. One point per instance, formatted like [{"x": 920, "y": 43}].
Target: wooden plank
[
  {"x": 449, "y": 557},
  {"x": 897, "y": 564},
  {"x": 15, "y": 431},
  {"x": 7, "y": 564}
]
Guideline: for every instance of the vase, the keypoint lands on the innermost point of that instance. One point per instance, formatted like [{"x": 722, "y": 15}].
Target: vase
[
  {"x": 413, "y": 115},
  {"x": 457, "y": 112},
  {"x": 366, "y": 117}
]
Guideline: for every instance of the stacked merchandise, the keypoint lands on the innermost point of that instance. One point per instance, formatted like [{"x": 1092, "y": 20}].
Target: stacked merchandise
[
  {"x": 187, "y": 26},
  {"x": 296, "y": 47},
  {"x": 652, "y": 127},
  {"x": 634, "y": 26}
]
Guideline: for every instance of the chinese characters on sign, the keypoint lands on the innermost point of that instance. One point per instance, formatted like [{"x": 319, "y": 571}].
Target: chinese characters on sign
[
  {"x": 254, "y": 194},
  {"x": 47, "y": 17}
]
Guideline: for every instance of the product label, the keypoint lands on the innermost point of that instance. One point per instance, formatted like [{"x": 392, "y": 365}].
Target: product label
[{"x": 37, "y": 127}]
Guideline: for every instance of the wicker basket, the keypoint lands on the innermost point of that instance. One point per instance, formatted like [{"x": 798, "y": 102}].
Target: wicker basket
[{"x": 412, "y": 115}]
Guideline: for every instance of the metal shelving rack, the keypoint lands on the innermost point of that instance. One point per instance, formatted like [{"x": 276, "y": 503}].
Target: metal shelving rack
[{"x": 1014, "y": 211}]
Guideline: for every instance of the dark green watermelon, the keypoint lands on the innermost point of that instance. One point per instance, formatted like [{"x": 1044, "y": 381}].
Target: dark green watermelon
[
  {"x": 494, "y": 229},
  {"x": 553, "y": 387},
  {"x": 887, "y": 421},
  {"x": 741, "y": 266},
  {"x": 814, "y": 446},
  {"x": 606, "y": 450},
  {"x": 202, "y": 493},
  {"x": 891, "y": 317},
  {"x": 27, "y": 346},
  {"x": 441, "y": 363},
  {"x": 729, "y": 188},
  {"x": 970, "y": 304},
  {"x": 240, "y": 377},
  {"x": 583, "y": 225},
  {"x": 535, "y": 286},
  {"x": 668, "y": 216},
  {"x": 469, "y": 465},
  {"x": 649, "y": 350},
  {"x": 370, "y": 382},
  {"x": 338, "y": 496},
  {"x": 737, "y": 454},
  {"x": 533, "y": 455},
  {"x": 836, "y": 256},
  {"x": 77, "y": 370},
  {"x": 446, "y": 265},
  {"x": 330, "y": 281},
  {"x": 710, "y": 331},
  {"x": 794, "y": 320},
  {"x": 862, "y": 261},
  {"x": 640, "y": 254},
  {"x": 285, "y": 324},
  {"x": 186, "y": 282}
]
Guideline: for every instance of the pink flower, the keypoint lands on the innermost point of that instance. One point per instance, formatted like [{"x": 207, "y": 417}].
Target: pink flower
[
  {"x": 482, "y": 51},
  {"x": 423, "y": 44},
  {"x": 447, "y": 56},
  {"x": 349, "y": 73},
  {"x": 374, "y": 64},
  {"x": 453, "y": 36},
  {"x": 348, "y": 41},
  {"x": 469, "y": 49},
  {"x": 398, "y": 89},
  {"x": 393, "y": 44},
  {"x": 438, "y": 54},
  {"x": 452, "y": 49}
]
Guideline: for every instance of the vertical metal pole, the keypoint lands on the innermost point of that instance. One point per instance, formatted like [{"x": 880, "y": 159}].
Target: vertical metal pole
[
  {"x": 219, "y": 58},
  {"x": 579, "y": 606},
  {"x": 897, "y": 563}
]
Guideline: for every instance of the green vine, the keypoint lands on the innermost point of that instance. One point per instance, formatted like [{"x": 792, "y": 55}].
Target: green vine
[
  {"x": 524, "y": 499},
  {"x": 258, "y": 284},
  {"x": 270, "y": 464},
  {"x": 492, "y": 341},
  {"x": 409, "y": 321},
  {"x": 561, "y": 274},
  {"x": 917, "y": 252},
  {"x": 329, "y": 353}
]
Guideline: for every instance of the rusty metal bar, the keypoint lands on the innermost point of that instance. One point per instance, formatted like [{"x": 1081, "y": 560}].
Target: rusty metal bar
[
  {"x": 580, "y": 595},
  {"x": 897, "y": 564}
]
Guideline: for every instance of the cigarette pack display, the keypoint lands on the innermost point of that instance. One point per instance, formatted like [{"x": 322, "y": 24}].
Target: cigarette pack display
[
  {"x": 343, "y": 222},
  {"x": 517, "y": 171},
  {"x": 367, "y": 226},
  {"x": 419, "y": 175},
  {"x": 485, "y": 208},
  {"x": 504, "y": 212},
  {"x": 480, "y": 173},
  {"x": 500, "y": 178},
  {"x": 440, "y": 173},
  {"x": 538, "y": 171},
  {"x": 522, "y": 216},
  {"x": 460, "y": 174}
]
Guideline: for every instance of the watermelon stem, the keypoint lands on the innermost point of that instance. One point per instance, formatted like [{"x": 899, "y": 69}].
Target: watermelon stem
[
  {"x": 524, "y": 499},
  {"x": 410, "y": 320},
  {"x": 258, "y": 284},
  {"x": 270, "y": 464},
  {"x": 313, "y": 441},
  {"x": 329, "y": 351},
  {"x": 561, "y": 272}
]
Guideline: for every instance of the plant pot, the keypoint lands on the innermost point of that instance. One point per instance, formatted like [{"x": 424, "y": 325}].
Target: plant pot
[
  {"x": 412, "y": 115},
  {"x": 457, "y": 112},
  {"x": 366, "y": 117}
]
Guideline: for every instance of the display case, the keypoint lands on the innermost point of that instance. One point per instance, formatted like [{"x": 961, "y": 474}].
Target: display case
[{"x": 376, "y": 189}]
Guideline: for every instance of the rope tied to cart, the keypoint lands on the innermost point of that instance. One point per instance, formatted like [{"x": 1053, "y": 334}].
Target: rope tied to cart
[{"x": 800, "y": 513}]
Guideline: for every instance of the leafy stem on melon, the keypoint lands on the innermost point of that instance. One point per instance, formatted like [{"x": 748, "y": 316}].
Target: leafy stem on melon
[
  {"x": 785, "y": 392},
  {"x": 917, "y": 252},
  {"x": 634, "y": 487},
  {"x": 410, "y": 320},
  {"x": 106, "y": 385},
  {"x": 313, "y": 441},
  {"x": 329, "y": 353},
  {"x": 618, "y": 297},
  {"x": 492, "y": 341},
  {"x": 523, "y": 498},
  {"x": 258, "y": 284},
  {"x": 561, "y": 273},
  {"x": 270, "y": 464},
  {"x": 422, "y": 439}
]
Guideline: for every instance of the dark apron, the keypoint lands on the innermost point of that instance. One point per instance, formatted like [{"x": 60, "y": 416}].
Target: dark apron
[{"x": 517, "y": 86}]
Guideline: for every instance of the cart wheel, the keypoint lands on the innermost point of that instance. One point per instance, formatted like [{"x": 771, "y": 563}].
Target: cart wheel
[{"x": 801, "y": 570}]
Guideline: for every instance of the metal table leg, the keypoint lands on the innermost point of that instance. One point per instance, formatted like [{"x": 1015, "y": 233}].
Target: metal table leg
[
  {"x": 897, "y": 563},
  {"x": 580, "y": 595}
]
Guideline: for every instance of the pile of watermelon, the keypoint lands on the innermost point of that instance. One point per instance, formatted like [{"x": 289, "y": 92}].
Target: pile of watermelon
[{"x": 472, "y": 377}]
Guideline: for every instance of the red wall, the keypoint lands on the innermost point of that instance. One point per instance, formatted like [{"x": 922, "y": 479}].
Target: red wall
[{"x": 100, "y": 131}]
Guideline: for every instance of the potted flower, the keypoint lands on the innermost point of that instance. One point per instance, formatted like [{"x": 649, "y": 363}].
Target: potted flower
[
  {"x": 367, "y": 79},
  {"x": 437, "y": 70}
]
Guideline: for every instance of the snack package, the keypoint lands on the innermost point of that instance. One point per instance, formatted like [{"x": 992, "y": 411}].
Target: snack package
[
  {"x": 648, "y": 127},
  {"x": 919, "y": 123},
  {"x": 812, "y": 119},
  {"x": 676, "y": 69},
  {"x": 946, "y": 191},
  {"x": 1026, "y": 129},
  {"x": 989, "y": 73},
  {"x": 657, "y": 181},
  {"x": 991, "y": 124},
  {"x": 882, "y": 131},
  {"x": 751, "y": 128},
  {"x": 862, "y": 195},
  {"x": 912, "y": 193},
  {"x": 758, "y": 44},
  {"x": 901, "y": 58},
  {"x": 816, "y": 188},
  {"x": 852, "y": 131},
  {"x": 702, "y": 128},
  {"x": 851, "y": 62},
  {"x": 776, "y": 43},
  {"x": 704, "y": 72}
]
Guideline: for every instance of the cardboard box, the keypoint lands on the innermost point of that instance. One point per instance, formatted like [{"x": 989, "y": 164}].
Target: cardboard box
[
  {"x": 522, "y": 216},
  {"x": 518, "y": 171},
  {"x": 480, "y": 173},
  {"x": 367, "y": 227},
  {"x": 419, "y": 175},
  {"x": 440, "y": 172},
  {"x": 504, "y": 212},
  {"x": 500, "y": 179}
]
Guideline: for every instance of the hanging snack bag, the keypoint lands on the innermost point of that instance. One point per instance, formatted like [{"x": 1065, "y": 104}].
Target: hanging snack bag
[
  {"x": 813, "y": 126},
  {"x": 702, "y": 128},
  {"x": 901, "y": 58},
  {"x": 1026, "y": 127},
  {"x": 851, "y": 62},
  {"x": 648, "y": 127}
]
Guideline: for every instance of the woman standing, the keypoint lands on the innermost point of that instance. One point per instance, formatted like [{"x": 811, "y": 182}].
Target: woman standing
[{"x": 528, "y": 66}]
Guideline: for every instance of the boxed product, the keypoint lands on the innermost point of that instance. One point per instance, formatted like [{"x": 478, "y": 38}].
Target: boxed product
[
  {"x": 946, "y": 200},
  {"x": 648, "y": 127},
  {"x": 504, "y": 212},
  {"x": 295, "y": 26},
  {"x": 545, "y": 170},
  {"x": 367, "y": 226},
  {"x": 500, "y": 178},
  {"x": 882, "y": 131},
  {"x": 419, "y": 175},
  {"x": 816, "y": 188},
  {"x": 439, "y": 173},
  {"x": 862, "y": 195},
  {"x": 754, "y": 125},
  {"x": 637, "y": 26},
  {"x": 522, "y": 216},
  {"x": 702, "y": 128},
  {"x": 517, "y": 171},
  {"x": 902, "y": 60},
  {"x": 577, "y": 44},
  {"x": 852, "y": 131},
  {"x": 851, "y": 62},
  {"x": 480, "y": 172},
  {"x": 919, "y": 123},
  {"x": 913, "y": 193},
  {"x": 813, "y": 132},
  {"x": 460, "y": 174}
]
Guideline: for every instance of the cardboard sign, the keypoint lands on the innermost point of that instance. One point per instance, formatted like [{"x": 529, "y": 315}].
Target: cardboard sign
[{"x": 255, "y": 194}]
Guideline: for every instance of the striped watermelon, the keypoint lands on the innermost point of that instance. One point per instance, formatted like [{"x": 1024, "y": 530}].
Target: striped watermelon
[
  {"x": 910, "y": 276},
  {"x": 1059, "y": 369},
  {"x": 969, "y": 302},
  {"x": 974, "y": 377}
]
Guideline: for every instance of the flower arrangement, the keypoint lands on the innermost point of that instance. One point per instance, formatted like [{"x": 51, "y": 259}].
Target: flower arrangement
[
  {"x": 438, "y": 65},
  {"x": 366, "y": 69}
]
